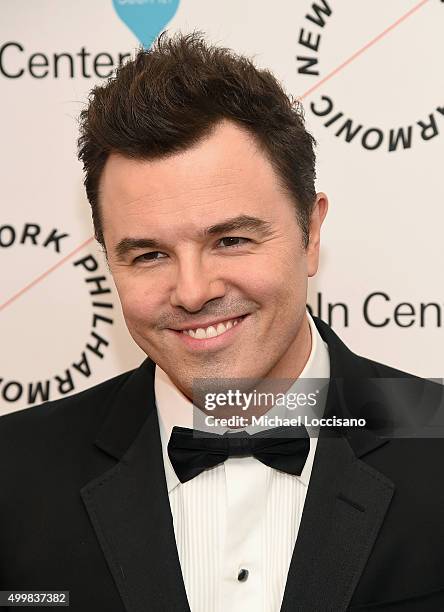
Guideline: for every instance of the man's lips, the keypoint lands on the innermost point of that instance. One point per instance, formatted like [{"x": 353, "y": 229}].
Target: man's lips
[
  {"x": 205, "y": 324},
  {"x": 210, "y": 343}
]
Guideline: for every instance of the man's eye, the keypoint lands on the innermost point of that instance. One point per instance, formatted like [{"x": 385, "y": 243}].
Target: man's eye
[
  {"x": 234, "y": 238},
  {"x": 147, "y": 256},
  {"x": 151, "y": 255}
]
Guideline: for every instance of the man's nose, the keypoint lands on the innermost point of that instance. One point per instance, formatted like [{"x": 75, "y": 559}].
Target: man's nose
[{"x": 196, "y": 284}]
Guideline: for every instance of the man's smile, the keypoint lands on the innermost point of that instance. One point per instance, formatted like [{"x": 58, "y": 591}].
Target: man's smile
[{"x": 212, "y": 337}]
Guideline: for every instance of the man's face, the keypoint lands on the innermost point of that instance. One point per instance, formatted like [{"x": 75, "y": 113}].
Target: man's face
[{"x": 190, "y": 279}]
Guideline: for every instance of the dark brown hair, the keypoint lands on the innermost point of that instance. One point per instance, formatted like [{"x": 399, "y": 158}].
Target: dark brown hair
[{"x": 171, "y": 96}]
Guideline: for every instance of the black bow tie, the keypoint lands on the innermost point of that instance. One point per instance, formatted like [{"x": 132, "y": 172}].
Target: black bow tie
[{"x": 282, "y": 448}]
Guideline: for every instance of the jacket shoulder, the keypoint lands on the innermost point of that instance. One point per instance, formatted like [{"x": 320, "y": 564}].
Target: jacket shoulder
[
  {"x": 401, "y": 384},
  {"x": 82, "y": 411},
  {"x": 383, "y": 370}
]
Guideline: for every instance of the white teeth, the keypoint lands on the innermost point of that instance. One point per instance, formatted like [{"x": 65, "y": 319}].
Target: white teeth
[{"x": 211, "y": 331}]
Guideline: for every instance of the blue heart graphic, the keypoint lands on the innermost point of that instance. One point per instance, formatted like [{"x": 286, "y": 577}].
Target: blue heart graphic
[{"x": 146, "y": 18}]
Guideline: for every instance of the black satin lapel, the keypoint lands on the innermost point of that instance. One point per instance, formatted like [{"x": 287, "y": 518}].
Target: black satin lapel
[
  {"x": 130, "y": 511},
  {"x": 344, "y": 510}
]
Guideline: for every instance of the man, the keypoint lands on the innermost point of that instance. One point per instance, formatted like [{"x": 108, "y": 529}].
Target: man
[{"x": 200, "y": 175}]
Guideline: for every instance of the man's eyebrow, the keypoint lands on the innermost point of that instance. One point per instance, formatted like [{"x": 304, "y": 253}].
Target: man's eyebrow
[
  {"x": 126, "y": 245},
  {"x": 241, "y": 222}
]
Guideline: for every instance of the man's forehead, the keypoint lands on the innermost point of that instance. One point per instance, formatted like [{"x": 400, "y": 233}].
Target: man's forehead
[
  {"x": 226, "y": 155},
  {"x": 158, "y": 199}
]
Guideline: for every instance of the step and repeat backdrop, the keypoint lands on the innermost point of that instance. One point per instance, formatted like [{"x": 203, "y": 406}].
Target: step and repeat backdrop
[{"x": 370, "y": 76}]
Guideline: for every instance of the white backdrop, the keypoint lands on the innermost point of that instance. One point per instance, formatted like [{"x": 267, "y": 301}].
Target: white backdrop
[{"x": 354, "y": 63}]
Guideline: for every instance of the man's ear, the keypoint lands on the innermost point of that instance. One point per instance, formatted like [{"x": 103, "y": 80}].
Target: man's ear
[{"x": 317, "y": 217}]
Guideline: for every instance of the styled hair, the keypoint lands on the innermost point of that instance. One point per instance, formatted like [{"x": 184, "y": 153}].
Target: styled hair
[{"x": 172, "y": 95}]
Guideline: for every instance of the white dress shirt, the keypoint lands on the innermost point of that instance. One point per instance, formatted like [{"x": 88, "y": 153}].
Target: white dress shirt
[{"x": 240, "y": 514}]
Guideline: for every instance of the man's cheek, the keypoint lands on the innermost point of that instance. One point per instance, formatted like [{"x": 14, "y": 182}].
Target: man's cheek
[
  {"x": 261, "y": 288},
  {"x": 133, "y": 311}
]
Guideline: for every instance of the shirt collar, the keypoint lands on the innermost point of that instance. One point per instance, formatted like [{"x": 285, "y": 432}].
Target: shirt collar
[{"x": 175, "y": 409}]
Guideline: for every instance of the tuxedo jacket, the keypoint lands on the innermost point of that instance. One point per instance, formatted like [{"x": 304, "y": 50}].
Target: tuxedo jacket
[{"x": 84, "y": 506}]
